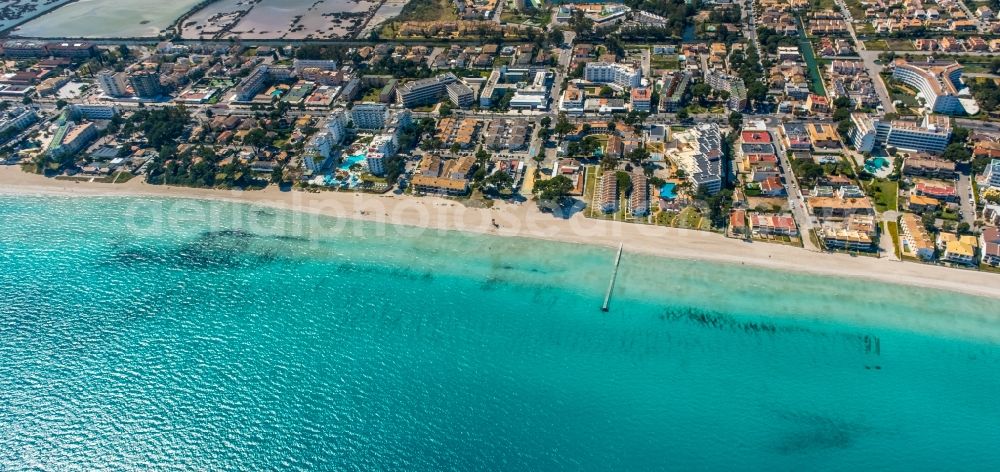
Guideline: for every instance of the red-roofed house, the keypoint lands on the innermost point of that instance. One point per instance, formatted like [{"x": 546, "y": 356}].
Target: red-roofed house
[
  {"x": 756, "y": 137},
  {"x": 940, "y": 191},
  {"x": 738, "y": 222},
  {"x": 779, "y": 225},
  {"x": 990, "y": 244},
  {"x": 818, "y": 104},
  {"x": 760, "y": 166},
  {"x": 642, "y": 99},
  {"x": 772, "y": 187}
]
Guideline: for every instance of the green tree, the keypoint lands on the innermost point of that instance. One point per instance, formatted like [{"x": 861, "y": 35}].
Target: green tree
[
  {"x": 563, "y": 126},
  {"x": 445, "y": 109},
  {"x": 256, "y": 138},
  {"x": 637, "y": 155},
  {"x": 624, "y": 181},
  {"x": 959, "y": 135},
  {"x": 701, "y": 91},
  {"x": 276, "y": 174},
  {"x": 556, "y": 37},
  {"x": 736, "y": 120},
  {"x": 553, "y": 190},
  {"x": 844, "y": 127},
  {"x": 579, "y": 23},
  {"x": 956, "y": 152},
  {"x": 499, "y": 182}
]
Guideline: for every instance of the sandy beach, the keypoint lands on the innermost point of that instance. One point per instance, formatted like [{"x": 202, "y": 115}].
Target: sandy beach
[{"x": 526, "y": 221}]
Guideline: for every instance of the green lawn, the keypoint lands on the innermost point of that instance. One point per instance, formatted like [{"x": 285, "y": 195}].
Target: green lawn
[
  {"x": 885, "y": 194},
  {"x": 949, "y": 215},
  {"x": 892, "y": 228},
  {"x": 589, "y": 186},
  {"x": 664, "y": 218},
  {"x": 372, "y": 95},
  {"x": 857, "y": 10},
  {"x": 428, "y": 10},
  {"x": 689, "y": 218},
  {"x": 908, "y": 100},
  {"x": 977, "y": 67},
  {"x": 668, "y": 61},
  {"x": 900, "y": 45},
  {"x": 876, "y": 45},
  {"x": 823, "y": 5}
]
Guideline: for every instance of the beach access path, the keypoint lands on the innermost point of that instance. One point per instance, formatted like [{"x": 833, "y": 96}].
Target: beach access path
[{"x": 526, "y": 221}]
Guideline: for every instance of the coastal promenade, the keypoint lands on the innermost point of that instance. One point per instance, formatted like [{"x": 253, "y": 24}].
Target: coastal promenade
[{"x": 524, "y": 220}]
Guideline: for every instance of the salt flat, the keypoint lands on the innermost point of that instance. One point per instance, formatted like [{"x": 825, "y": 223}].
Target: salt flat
[
  {"x": 284, "y": 19},
  {"x": 107, "y": 19},
  {"x": 13, "y": 12}
]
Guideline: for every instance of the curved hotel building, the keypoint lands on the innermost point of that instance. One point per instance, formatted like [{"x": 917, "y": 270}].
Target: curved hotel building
[{"x": 939, "y": 83}]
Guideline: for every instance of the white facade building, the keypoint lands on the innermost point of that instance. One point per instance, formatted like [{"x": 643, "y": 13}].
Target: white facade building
[
  {"x": 17, "y": 119},
  {"x": 370, "y": 115},
  {"x": 992, "y": 174},
  {"x": 94, "y": 112},
  {"x": 112, "y": 84},
  {"x": 337, "y": 126},
  {"x": 931, "y": 135},
  {"x": 623, "y": 75},
  {"x": 939, "y": 83},
  {"x": 699, "y": 154},
  {"x": 379, "y": 151},
  {"x": 316, "y": 154}
]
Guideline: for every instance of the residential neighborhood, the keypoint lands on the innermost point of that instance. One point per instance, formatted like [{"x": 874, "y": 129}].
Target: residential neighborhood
[{"x": 861, "y": 128}]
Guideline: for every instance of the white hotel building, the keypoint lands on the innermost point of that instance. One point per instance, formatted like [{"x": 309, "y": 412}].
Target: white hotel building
[
  {"x": 992, "y": 174},
  {"x": 939, "y": 83},
  {"x": 624, "y": 75},
  {"x": 699, "y": 153},
  {"x": 370, "y": 115},
  {"x": 930, "y": 135}
]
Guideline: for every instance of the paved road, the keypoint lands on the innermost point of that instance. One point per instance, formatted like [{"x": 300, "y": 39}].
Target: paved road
[
  {"x": 981, "y": 75},
  {"x": 944, "y": 54},
  {"x": 964, "y": 189},
  {"x": 886, "y": 245},
  {"x": 749, "y": 17},
  {"x": 869, "y": 58},
  {"x": 977, "y": 125},
  {"x": 796, "y": 201},
  {"x": 537, "y": 145},
  {"x": 969, "y": 15}
]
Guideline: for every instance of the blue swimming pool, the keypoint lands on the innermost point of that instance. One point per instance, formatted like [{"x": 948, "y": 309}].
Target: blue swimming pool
[
  {"x": 875, "y": 164},
  {"x": 667, "y": 191},
  {"x": 350, "y": 161}
]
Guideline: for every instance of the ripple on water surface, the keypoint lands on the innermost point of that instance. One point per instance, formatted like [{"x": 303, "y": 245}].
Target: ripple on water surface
[{"x": 235, "y": 347}]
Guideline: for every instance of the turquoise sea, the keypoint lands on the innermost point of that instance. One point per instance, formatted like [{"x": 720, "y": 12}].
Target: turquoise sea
[{"x": 169, "y": 334}]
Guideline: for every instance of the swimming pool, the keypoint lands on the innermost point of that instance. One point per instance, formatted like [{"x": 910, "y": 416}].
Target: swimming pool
[
  {"x": 667, "y": 191},
  {"x": 875, "y": 164},
  {"x": 350, "y": 161}
]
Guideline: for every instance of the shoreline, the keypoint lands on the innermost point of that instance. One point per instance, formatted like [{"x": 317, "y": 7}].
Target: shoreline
[
  {"x": 525, "y": 221},
  {"x": 32, "y": 17}
]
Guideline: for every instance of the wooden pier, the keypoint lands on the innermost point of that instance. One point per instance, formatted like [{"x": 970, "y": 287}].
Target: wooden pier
[{"x": 614, "y": 275}]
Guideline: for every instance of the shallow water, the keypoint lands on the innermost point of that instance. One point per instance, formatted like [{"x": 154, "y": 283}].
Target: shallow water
[
  {"x": 107, "y": 19},
  {"x": 135, "y": 335}
]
